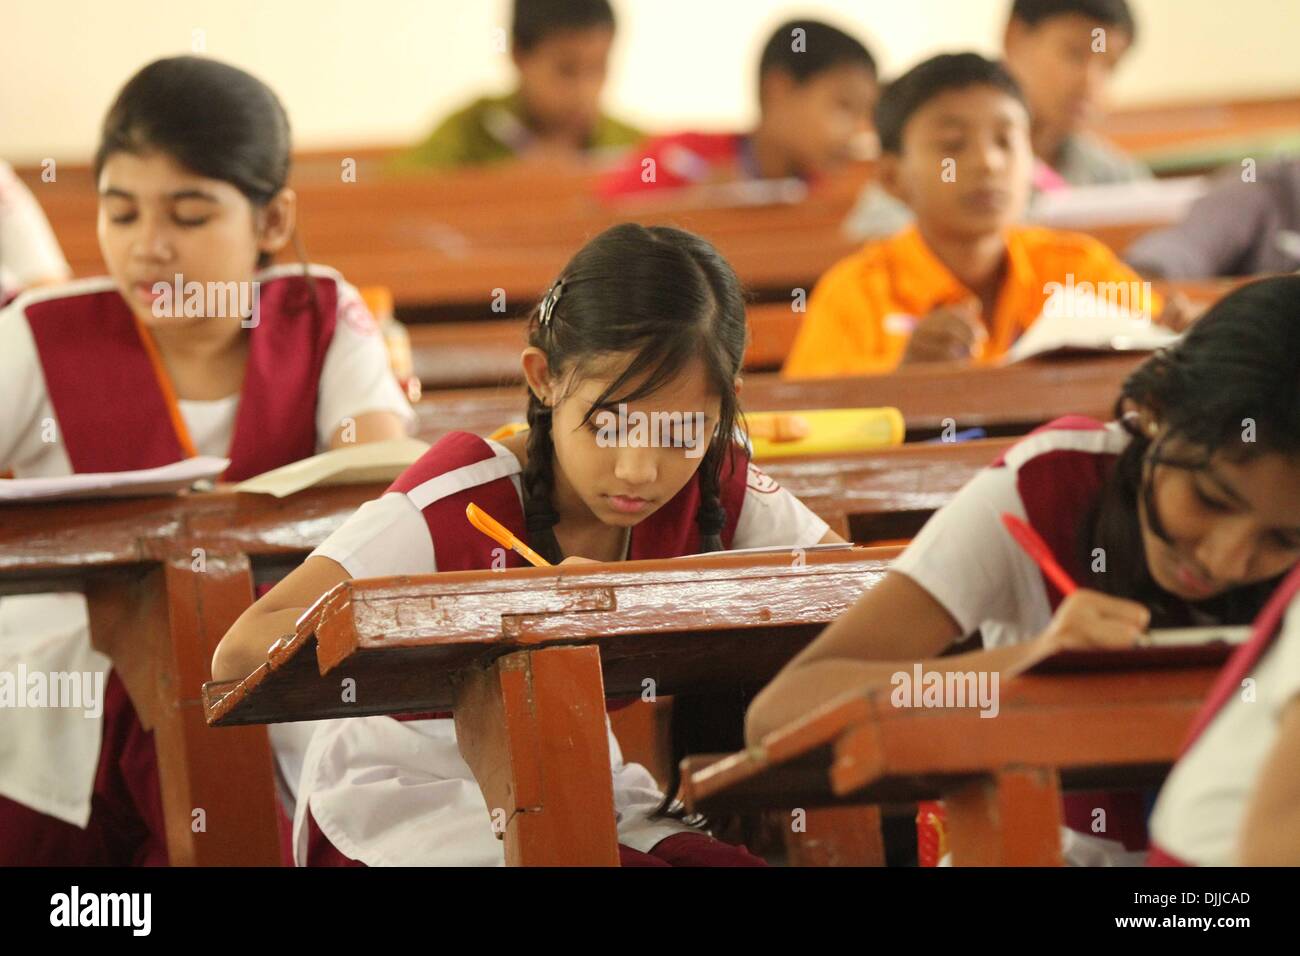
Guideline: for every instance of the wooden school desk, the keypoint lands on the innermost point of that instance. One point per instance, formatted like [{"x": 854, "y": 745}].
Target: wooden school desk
[
  {"x": 164, "y": 579},
  {"x": 485, "y": 352},
  {"x": 1005, "y": 401},
  {"x": 1085, "y": 721},
  {"x": 526, "y": 659},
  {"x": 159, "y": 617},
  {"x": 445, "y": 243}
]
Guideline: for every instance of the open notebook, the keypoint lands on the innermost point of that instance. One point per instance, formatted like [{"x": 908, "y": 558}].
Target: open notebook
[
  {"x": 357, "y": 465},
  {"x": 1169, "y": 647},
  {"x": 1086, "y": 318}
]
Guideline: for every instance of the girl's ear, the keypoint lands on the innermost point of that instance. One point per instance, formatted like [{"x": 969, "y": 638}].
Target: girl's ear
[
  {"x": 537, "y": 373},
  {"x": 276, "y": 221}
]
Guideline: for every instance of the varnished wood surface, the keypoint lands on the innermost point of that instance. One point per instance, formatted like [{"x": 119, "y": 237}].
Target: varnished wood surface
[
  {"x": 672, "y": 622},
  {"x": 1055, "y": 729}
]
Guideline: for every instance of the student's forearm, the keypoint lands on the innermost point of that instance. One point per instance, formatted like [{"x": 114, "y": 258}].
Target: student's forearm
[
  {"x": 805, "y": 687},
  {"x": 245, "y": 645}
]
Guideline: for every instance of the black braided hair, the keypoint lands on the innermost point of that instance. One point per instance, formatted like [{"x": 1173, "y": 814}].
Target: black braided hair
[
  {"x": 538, "y": 481},
  {"x": 1240, "y": 361}
]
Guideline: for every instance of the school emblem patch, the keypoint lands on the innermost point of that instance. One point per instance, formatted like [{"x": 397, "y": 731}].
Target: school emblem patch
[
  {"x": 358, "y": 317},
  {"x": 760, "y": 482}
]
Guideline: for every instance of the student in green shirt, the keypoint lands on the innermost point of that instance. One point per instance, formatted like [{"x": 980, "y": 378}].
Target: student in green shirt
[{"x": 560, "y": 49}]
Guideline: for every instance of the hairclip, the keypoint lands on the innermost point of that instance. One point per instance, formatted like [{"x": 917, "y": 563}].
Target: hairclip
[{"x": 549, "y": 302}]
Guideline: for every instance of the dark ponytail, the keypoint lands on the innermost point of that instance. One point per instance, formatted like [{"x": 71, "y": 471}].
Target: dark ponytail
[
  {"x": 1240, "y": 363},
  {"x": 669, "y": 298},
  {"x": 212, "y": 118}
]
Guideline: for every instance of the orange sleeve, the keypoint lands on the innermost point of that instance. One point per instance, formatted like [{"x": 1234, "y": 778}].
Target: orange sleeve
[{"x": 841, "y": 334}]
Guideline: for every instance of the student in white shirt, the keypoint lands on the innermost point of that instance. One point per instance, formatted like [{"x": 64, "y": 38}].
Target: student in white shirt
[
  {"x": 642, "y": 322},
  {"x": 1181, "y": 512},
  {"x": 107, "y": 375}
]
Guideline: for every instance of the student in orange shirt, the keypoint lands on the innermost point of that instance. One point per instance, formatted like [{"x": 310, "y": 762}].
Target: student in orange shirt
[{"x": 964, "y": 281}]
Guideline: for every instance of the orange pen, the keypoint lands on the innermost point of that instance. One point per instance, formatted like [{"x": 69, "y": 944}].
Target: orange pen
[
  {"x": 501, "y": 534},
  {"x": 1037, "y": 549}
]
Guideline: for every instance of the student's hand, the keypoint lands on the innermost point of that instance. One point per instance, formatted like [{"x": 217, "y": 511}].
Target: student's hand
[
  {"x": 574, "y": 559},
  {"x": 948, "y": 333},
  {"x": 1179, "y": 312},
  {"x": 1090, "y": 619}
]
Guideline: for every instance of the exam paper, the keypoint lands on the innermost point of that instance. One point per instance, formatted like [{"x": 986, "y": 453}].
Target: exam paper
[{"x": 165, "y": 480}]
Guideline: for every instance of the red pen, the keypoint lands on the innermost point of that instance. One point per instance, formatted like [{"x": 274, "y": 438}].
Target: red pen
[{"x": 1037, "y": 549}]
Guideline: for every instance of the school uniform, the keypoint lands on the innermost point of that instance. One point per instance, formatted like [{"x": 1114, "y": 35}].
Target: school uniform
[
  {"x": 682, "y": 159},
  {"x": 862, "y": 311},
  {"x": 1202, "y": 806},
  {"x": 492, "y": 129},
  {"x": 391, "y": 791},
  {"x": 967, "y": 562},
  {"x": 83, "y": 390}
]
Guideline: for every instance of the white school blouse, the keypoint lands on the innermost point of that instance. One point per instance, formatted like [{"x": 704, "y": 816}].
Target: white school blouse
[
  {"x": 48, "y": 756},
  {"x": 398, "y": 793},
  {"x": 1202, "y": 805}
]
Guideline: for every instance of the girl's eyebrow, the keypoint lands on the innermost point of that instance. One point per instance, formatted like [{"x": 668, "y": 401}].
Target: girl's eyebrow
[
  {"x": 1237, "y": 498},
  {"x": 1227, "y": 489},
  {"x": 192, "y": 194},
  {"x": 180, "y": 194}
]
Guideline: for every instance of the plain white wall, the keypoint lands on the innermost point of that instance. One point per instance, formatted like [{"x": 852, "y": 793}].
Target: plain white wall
[{"x": 369, "y": 72}]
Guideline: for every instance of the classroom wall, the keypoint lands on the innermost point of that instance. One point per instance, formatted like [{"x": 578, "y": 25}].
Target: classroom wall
[{"x": 375, "y": 72}]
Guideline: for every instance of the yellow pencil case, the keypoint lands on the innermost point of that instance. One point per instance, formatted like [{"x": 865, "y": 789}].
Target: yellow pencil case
[{"x": 824, "y": 431}]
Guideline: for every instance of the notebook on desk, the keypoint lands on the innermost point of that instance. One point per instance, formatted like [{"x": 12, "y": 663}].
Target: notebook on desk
[{"x": 1164, "y": 647}]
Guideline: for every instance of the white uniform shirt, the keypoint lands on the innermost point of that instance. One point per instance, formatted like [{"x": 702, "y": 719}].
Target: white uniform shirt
[
  {"x": 1202, "y": 806},
  {"x": 389, "y": 792},
  {"x": 50, "y": 632}
]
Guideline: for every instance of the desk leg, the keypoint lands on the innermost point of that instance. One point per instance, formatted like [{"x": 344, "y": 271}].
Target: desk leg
[
  {"x": 532, "y": 728},
  {"x": 163, "y": 628},
  {"x": 1010, "y": 819},
  {"x": 837, "y": 836}
]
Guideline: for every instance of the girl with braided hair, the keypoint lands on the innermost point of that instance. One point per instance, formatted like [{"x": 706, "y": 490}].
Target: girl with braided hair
[
  {"x": 1181, "y": 512},
  {"x": 643, "y": 323}
]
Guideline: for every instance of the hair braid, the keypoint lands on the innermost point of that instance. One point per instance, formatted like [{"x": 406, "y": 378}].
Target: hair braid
[{"x": 540, "y": 516}]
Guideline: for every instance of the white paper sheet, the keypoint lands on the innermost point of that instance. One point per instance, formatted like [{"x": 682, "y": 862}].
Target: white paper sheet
[{"x": 166, "y": 480}]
